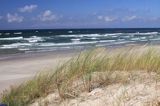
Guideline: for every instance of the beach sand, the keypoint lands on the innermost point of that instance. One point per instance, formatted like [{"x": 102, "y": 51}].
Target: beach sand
[
  {"x": 135, "y": 87},
  {"x": 18, "y": 68}
]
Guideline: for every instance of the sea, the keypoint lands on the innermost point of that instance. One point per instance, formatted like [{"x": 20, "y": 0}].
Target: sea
[{"x": 42, "y": 40}]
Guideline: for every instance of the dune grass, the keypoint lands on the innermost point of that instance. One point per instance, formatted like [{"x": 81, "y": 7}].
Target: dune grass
[{"x": 84, "y": 72}]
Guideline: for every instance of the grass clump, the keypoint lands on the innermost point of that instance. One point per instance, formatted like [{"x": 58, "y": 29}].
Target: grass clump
[
  {"x": 27, "y": 92},
  {"x": 84, "y": 72}
]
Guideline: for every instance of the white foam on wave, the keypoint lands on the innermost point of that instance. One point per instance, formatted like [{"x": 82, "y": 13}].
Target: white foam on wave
[
  {"x": 92, "y": 35},
  {"x": 136, "y": 39},
  {"x": 75, "y": 40},
  {"x": 70, "y": 31},
  {"x": 106, "y": 41},
  {"x": 93, "y": 38},
  {"x": 147, "y": 33},
  {"x": 15, "y": 45},
  {"x": 34, "y": 39},
  {"x": 17, "y": 33},
  {"x": 12, "y": 38},
  {"x": 142, "y": 38},
  {"x": 66, "y": 44},
  {"x": 24, "y": 49},
  {"x": 113, "y": 34},
  {"x": 72, "y": 35}
]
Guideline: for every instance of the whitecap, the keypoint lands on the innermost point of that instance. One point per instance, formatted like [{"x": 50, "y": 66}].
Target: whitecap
[
  {"x": 17, "y": 33},
  {"x": 93, "y": 38},
  {"x": 15, "y": 45},
  {"x": 135, "y": 38},
  {"x": 66, "y": 44},
  {"x": 34, "y": 39},
  {"x": 113, "y": 34},
  {"x": 23, "y": 49},
  {"x": 70, "y": 31},
  {"x": 142, "y": 37},
  {"x": 68, "y": 35},
  {"x": 82, "y": 35},
  {"x": 147, "y": 33},
  {"x": 106, "y": 41},
  {"x": 12, "y": 38},
  {"x": 75, "y": 40}
]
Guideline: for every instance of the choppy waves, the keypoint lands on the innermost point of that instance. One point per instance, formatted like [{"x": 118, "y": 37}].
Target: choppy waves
[{"x": 41, "y": 41}]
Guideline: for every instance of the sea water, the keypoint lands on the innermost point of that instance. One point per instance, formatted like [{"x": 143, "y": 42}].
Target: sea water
[{"x": 60, "y": 39}]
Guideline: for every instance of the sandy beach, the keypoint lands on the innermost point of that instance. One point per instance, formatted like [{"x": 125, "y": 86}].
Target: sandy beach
[
  {"x": 21, "y": 67},
  {"x": 131, "y": 85}
]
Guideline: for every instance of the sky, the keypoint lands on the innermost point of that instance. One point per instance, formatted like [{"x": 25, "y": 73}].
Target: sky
[{"x": 53, "y": 14}]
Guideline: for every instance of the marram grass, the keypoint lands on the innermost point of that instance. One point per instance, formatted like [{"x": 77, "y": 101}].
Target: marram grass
[{"x": 82, "y": 72}]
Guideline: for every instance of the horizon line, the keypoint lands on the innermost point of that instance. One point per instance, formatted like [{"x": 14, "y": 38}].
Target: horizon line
[{"x": 79, "y": 28}]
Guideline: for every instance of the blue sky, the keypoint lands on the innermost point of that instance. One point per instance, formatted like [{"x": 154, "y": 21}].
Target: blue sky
[{"x": 29, "y": 14}]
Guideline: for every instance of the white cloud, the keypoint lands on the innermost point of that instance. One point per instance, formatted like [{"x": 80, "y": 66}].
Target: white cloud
[
  {"x": 109, "y": 19},
  {"x": 106, "y": 18},
  {"x": 14, "y": 18},
  {"x": 129, "y": 18},
  {"x": 28, "y": 8},
  {"x": 47, "y": 16}
]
